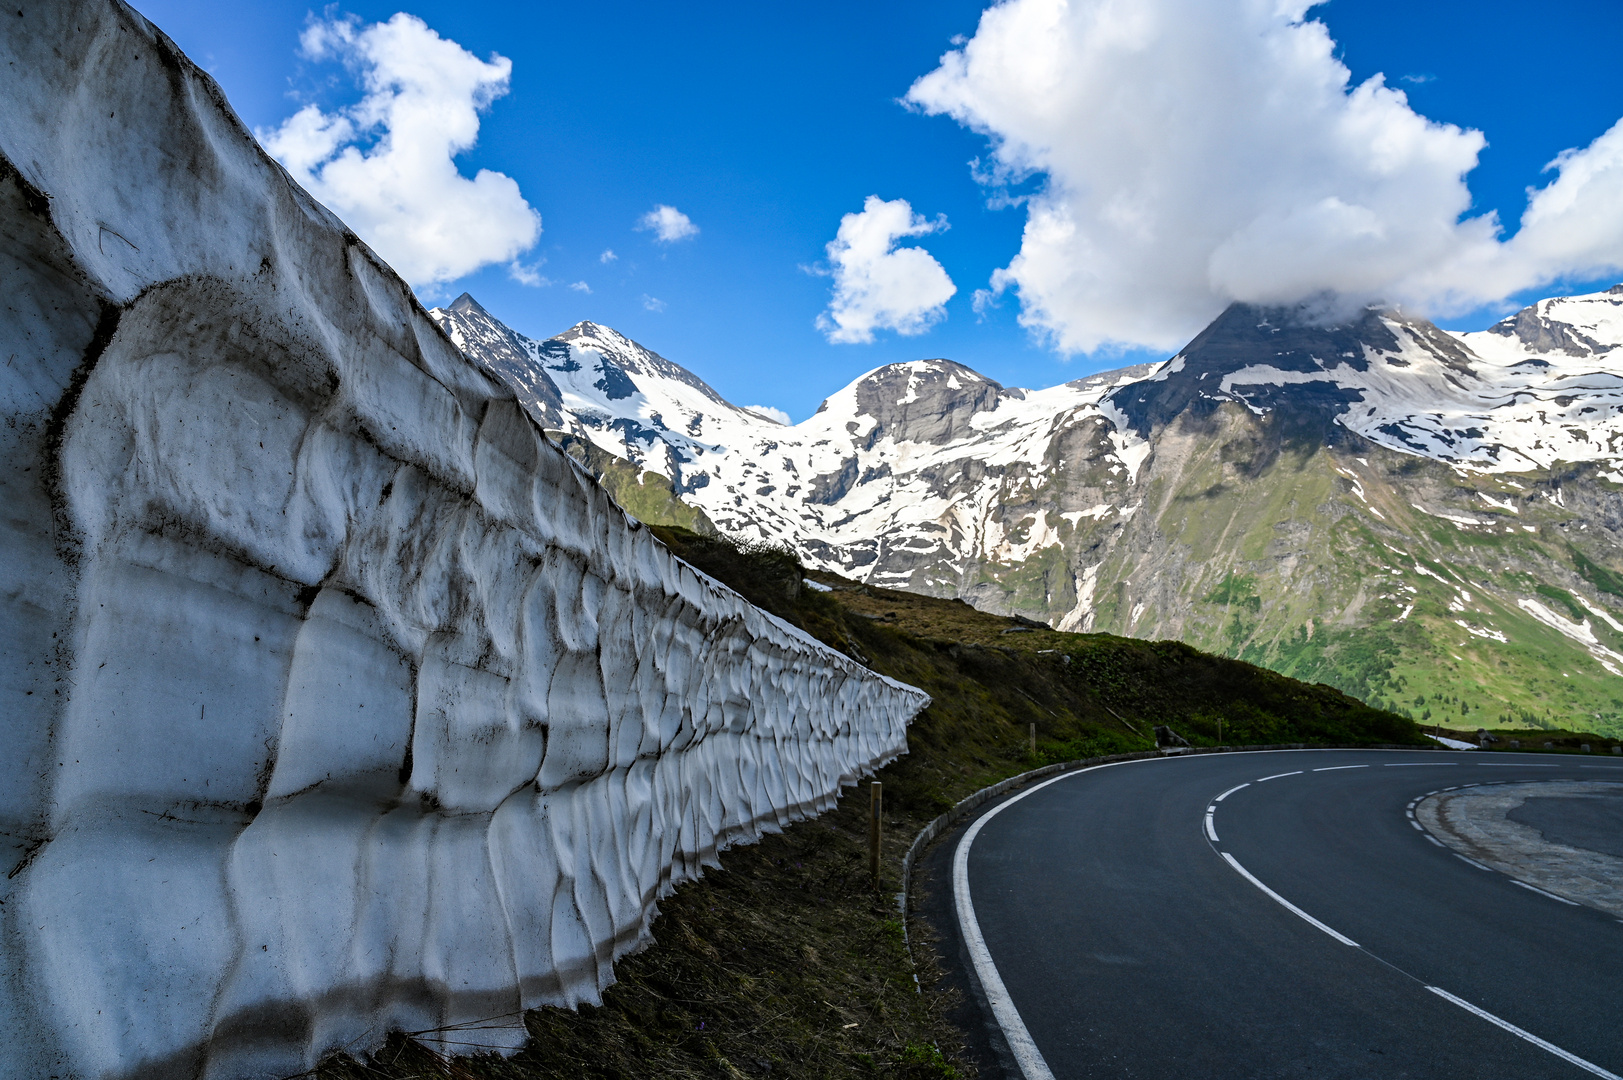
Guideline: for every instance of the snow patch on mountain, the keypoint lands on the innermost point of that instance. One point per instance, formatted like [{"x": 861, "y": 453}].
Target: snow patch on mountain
[
  {"x": 916, "y": 472},
  {"x": 1527, "y": 393},
  {"x": 891, "y": 465}
]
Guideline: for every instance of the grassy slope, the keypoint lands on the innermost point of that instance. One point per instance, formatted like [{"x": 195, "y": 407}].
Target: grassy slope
[
  {"x": 786, "y": 962},
  {"x": 645, "y": 495}
]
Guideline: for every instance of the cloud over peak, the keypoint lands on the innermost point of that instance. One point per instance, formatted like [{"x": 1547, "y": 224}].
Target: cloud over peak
[
  {"x": 1191, "y": 153},
  {"x": 386, "y": 165},
  {"x": 877, "y": 285}
]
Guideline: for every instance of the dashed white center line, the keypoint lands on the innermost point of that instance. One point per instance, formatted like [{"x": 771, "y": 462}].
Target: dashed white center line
[
  {"x": 1514, "y": 765},
  {"x": 1415, "y": 764},
  {"x": 1286, "y": 904},
  {"x": 1211, "y": 833},
  {"x": 1520, "y": 1034},
  {"x": 1541, "y": 892}
]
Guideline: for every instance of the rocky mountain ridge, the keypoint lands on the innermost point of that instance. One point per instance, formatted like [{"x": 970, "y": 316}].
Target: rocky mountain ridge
[{"x": 1427, "y": 519}]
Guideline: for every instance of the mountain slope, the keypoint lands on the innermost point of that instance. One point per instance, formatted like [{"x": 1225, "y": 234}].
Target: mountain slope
[{"x": 1427, "y": 520}]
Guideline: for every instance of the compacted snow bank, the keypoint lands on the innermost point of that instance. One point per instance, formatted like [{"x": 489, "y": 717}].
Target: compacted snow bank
[{"x": 337, "y": 699}]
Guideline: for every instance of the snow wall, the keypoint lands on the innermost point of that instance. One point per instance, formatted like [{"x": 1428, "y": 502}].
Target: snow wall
[{"x": 337, "y": 699}]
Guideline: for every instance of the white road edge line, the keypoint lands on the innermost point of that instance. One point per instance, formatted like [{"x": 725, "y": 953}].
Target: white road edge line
[
  {"x": 1541, "y": 892},
  {"x": 1416, "y": 764},
  {"x": 1230, "y": 791},
  {"x": 1338, "y": 768},
  {"x": 1021, "y": 1045},
  {"x": 1473, "y": 862},
  {"x": 1211, "y": 833},
  {"x": 1286, "y": 904},
  {"x": 1520, "y": 1034}
]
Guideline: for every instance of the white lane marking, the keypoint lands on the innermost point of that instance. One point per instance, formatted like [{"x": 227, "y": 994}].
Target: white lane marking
[
  {"x": 1211, "y": 833},
  {"x": 1229, "y": 792},
  {"x": 1025, "y": 1051},
  {"x": 1286, "y": 904},
  {"x": 1021, "y": 1045},
  {"x": 1473, "y": 862},
  {"x": 1413, "y": 764},
  {"x": 1026, "y": 1054},
  {"x": 1338, "y": 768},
  {"x": 1514, "y": 765},
  {"x": 1434, "y": 840},
  {"x": 1417, "y": 825},
  {"x": 1520, "y": 1034},
  {"x": 1541, "y": 892}
]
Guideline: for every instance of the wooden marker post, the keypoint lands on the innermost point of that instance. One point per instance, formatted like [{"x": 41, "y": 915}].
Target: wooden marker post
[{"x": 876, "y": 807}]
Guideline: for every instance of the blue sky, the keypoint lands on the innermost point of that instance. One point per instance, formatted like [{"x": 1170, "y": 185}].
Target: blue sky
[{"x": 765, "y": 124}]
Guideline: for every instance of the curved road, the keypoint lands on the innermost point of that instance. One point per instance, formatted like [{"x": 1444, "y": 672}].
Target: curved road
[{"x": 1131, "y": 943}]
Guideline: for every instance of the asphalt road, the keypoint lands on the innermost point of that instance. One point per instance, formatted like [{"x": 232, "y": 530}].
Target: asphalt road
[{"x": 1130, "y": 947}]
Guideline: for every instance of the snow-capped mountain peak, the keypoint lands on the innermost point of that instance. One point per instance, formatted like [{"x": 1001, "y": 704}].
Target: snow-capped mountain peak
[
  {"x": 615, "y": 358},
  {"x": 923, "y": 401},
  {"x": 1344, "y": 500},
  {"x": 1575, "y": 326},
  {"x": 1521, "y": 395},
  {"x": 897, "y": 471},
  {"x": 916, "y": 472}
]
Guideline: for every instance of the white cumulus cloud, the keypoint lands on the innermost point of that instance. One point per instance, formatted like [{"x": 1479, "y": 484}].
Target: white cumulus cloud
[
  {"x": 386, "y": 165},
  {"x": 528, "y": 274},
  {"x": 771, "y": 412},
  {"x": 1189, "y": 153},
  {"x": 608, "y": 256},
  {"x": 652, "y": 303},
  {"x": 877, "y": 285},
  {"x": 668, "y": 224}
]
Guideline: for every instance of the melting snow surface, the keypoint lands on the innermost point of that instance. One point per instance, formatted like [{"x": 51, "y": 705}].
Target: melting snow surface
[{"x": 343, "y": 701}]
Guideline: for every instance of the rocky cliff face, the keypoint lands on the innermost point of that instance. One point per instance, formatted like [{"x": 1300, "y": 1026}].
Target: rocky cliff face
[
  {"x": 1428, "y": 520},
  {"x": 339, "y": 699}
]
